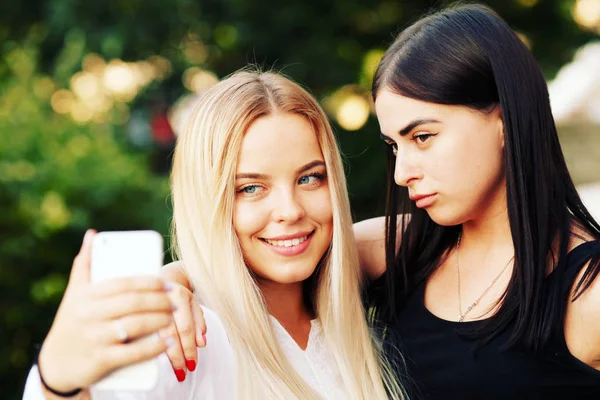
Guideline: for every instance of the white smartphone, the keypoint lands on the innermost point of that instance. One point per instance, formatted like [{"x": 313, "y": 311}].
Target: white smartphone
[{"x": 122, "y": 254}]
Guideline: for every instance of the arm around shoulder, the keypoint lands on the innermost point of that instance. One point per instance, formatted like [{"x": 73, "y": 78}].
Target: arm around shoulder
[
  {"x": 370, "y": 240},
  {"x": 174, "y": 272}
]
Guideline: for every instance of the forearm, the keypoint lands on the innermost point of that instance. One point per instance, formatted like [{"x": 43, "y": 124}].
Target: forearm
[
  {"x": 174, "y": 272},
  {"x": 370, "y": 239}
]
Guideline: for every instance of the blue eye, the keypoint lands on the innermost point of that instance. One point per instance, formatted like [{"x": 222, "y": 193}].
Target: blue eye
[
  {"x": 250, "y": 189},
  {"x": 311, "y": 179}
]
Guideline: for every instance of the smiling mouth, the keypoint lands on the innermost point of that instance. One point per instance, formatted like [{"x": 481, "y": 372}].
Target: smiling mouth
[{"x": 289, "y": 242}]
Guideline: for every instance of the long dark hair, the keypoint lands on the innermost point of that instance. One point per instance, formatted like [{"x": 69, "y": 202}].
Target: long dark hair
[{"x": 467, "y": 55}]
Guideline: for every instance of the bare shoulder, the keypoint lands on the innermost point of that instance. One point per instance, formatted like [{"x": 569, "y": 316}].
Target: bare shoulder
[
  {"x": 370, "y": 240},
  {"x": 582, "y": 326},
  {"x": 579, "y": 236}
]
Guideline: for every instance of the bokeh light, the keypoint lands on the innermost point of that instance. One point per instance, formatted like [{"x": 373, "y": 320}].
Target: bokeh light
[
  {"x": 350, "y": 107},
  {"x": 54, "y": 211},
  {"x": 93, "y": 63},
  {"x": 80, "y": 112},
  {"x": 369, "y": 66},
  {"x": 527, "y": 3},
  {"x": 85, "y": 85},
  {"x": 587, "y": 14},
  {"x": 44, "y": 87},
  {"x": 119, "y": 80},
  {"x": 181, "y": 111},
  {"x": 353, "y": 112},
  {"x": 196, "y": 79},
  {"x": 161, "y": 66},
  {"x": 194, "y": 50},
  {"x": 61, "y": 101},
  {"x": 226, "y": 36}
]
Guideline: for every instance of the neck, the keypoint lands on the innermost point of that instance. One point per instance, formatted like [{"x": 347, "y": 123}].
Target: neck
[
  {"x": 485, "y": 242},
  {"x": 491, "y": 228},
  {"x": 494, "y": 232},
  {"x": 285, "y": 302}
]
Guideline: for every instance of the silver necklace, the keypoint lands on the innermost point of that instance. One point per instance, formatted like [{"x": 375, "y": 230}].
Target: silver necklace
[{"x": 461, "y": 315}]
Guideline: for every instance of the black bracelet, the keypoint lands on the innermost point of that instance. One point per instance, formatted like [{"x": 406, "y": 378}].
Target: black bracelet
[{"x": 70, "y": 393}]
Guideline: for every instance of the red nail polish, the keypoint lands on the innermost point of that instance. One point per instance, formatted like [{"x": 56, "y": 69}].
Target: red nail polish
[
  {"x": 204, "y": 338},
  {"x": 180, "y": 374},
  {"x": 191, "y": 365}
]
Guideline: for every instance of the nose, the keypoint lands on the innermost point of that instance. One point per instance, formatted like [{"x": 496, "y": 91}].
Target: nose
[
  {"x": 288, "y": 207},
  {"x": 405, "y": 170}
]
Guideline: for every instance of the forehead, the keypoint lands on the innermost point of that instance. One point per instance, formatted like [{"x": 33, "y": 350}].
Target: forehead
[
  {"x": 277, "y": 140},
  {"x": 395, "y": 111}
]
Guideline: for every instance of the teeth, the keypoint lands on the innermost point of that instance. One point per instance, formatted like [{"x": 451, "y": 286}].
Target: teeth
[{"x": 287, "y": 243}]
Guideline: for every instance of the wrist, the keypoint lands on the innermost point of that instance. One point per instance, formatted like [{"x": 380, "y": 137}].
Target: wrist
[{"x": 52, "y": 382}]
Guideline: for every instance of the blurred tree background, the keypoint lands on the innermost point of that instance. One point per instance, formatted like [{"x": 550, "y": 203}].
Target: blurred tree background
[{"x": 89, "y": 92}]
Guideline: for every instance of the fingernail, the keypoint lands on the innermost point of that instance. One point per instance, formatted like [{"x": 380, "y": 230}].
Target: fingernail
[
  {"x": 168, "y": 287},
  {"x": 88, "y": 236},
  {"x": 180, "y": 374},
  {"x": 204, "y": 338},
  {"x": 191, "y": 365}
]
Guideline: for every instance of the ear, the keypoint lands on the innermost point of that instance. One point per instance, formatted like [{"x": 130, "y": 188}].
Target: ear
[{"x": 497, "y": 116}]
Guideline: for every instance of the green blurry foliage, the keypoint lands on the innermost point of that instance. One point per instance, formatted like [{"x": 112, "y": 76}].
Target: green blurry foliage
[{"x": 57, "y": 179}]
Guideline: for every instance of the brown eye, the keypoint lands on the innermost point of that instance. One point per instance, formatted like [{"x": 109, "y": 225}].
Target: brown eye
[{"x": 422, "y": 137}]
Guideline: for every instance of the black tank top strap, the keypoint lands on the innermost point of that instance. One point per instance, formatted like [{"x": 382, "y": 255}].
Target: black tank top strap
[{"x": 577, "y": 259}]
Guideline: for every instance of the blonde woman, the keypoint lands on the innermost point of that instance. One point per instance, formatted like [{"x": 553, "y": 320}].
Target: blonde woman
[{"x": 261, "y": 213}]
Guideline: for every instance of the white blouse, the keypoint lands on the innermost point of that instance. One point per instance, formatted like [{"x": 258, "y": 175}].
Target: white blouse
[{"x": 214, "y": 377}]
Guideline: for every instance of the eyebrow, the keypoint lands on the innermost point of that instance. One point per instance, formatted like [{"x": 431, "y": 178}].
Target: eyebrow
[
  {"x": 303, "y": 168},
  {"x": 406, "y": 130}
]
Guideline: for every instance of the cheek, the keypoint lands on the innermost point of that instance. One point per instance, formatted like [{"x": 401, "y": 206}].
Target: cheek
[
  {"x": 320, "y": 208},
  {"x": 471, "y": 167},
  {"x": 485, "y": 164},
  {"x": 447, "y": 164},
  {"x": 249, "y": 218}
]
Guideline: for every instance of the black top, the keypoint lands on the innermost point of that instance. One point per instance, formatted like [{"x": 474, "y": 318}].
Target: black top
[{"x": 441, "y": 364}]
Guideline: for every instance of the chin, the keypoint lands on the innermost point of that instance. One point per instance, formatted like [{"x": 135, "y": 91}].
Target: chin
[
  {"x": 286, "y": 273},
  {"x": 445, "y": 218},
  {"x": 292, "y": 276}
]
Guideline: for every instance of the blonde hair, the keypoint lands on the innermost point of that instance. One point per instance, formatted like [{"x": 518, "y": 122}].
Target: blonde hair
[{"x": 203, "y": 185}]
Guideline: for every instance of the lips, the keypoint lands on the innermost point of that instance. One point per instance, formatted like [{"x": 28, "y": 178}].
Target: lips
[
  {"x": 286, "y": 243},
  {"x": 289, "y": 245},
  {"x": 417, "y": 197},
  {"x": 423, "y": 200},
  {"x": 290, "y": 236}
]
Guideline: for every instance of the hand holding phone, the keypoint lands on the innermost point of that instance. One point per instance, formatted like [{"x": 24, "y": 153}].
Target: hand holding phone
[
  {"x": 127, "y": 254},
  {"x": 99, "y": 326}
]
